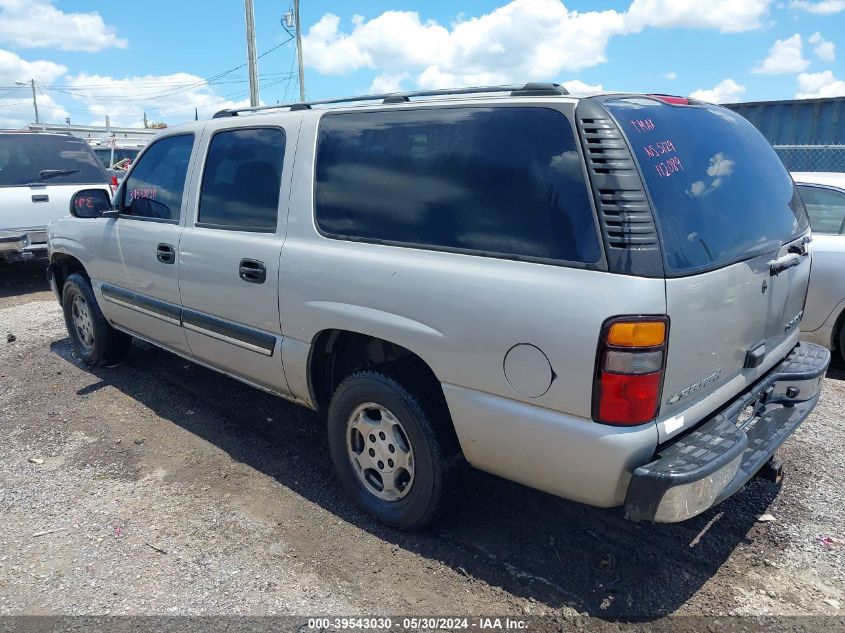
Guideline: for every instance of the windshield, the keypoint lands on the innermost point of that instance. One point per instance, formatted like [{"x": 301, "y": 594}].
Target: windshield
[
  {"x": 47, "y": 159},
  {"x": 717, "y": 186}
]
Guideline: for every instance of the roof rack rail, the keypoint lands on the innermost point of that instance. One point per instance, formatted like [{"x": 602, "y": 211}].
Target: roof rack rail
[{"x": 531, "y": 89}]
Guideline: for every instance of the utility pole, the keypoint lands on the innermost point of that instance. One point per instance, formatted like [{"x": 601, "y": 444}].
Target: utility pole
[
  {"x": 31, "y": 82},
  {"x": 299, "y": 51},
  {"x": 250, "y": 49},
  {"x": 34, "y": 100}
]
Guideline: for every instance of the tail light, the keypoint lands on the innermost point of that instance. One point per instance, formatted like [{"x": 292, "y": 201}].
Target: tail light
[
  {"x": 629, "y": 370},
  {"x": 113, "y": 184}
]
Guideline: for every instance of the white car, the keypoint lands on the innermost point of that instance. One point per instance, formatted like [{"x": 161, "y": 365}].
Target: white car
[
  {"x": 824, "y": 314},
  {"x": 39, "y": 173}
]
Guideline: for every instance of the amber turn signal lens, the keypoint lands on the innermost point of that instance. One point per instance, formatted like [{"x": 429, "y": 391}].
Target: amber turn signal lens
[{"x": 637, "y": 334}]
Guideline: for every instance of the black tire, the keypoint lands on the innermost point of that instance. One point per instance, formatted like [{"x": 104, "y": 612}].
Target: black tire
[
  {"x": 433, "y": 452},
  {"x": 107, "y": 345}
]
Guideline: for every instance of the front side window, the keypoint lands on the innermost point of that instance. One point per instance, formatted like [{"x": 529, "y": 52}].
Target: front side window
[
  {"x": 826, "y": 208},
  {"x": 502, "y": 181},
  {"x": 242, "y": 180},
  {"x": 154, "y": 188}
]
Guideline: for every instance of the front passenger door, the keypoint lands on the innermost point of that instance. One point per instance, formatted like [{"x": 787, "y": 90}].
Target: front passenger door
[{"x": 137, "y": 269}]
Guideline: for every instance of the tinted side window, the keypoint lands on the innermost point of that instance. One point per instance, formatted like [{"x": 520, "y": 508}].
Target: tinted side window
[
  {"x": 502, "y": 180},
  {"x": 242, "y": 178},
  {"x": 825, "y": 207},
  {"x": 154, "y": 188}
]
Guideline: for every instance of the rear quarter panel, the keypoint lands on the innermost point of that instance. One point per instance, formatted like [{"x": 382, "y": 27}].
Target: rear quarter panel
[{"x": 460, "y": 313}]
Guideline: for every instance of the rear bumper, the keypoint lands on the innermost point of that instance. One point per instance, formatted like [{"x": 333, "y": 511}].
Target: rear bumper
[{"x": 717, "y": 458}]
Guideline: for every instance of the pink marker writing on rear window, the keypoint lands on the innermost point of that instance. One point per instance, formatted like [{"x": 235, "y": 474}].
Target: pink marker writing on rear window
[
  {"x": 669, "y": 167},
  {"x": 659, "y": 148},
  {"x": 642, "y": 125}
]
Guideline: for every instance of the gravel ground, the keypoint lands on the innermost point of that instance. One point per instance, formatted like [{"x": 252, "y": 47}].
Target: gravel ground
[{"x": 158, "y": 487}]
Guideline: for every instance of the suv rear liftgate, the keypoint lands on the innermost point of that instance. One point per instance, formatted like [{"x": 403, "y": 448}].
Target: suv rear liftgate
[{"x": 693, "y": 194}]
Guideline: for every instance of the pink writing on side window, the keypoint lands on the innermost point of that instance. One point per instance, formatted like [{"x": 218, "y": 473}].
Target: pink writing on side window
[{"x": 144, "y": 192}]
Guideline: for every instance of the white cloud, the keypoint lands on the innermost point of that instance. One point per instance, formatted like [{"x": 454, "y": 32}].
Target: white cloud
[
  {"x": 16, "y": 110},
  {"x": 726, "y": 91},
  {"x": 671, "y": 75},
  {"x": 720, "y": 167},
  {"x": 825, "y": 7},
  {"x": 38, "y": 24},
  {"x": 388, "y": 82},
  {"x": 818, "y": 85},
  {"x": 785, "y": 56},
  {"x": 727, "y": 16},
  {"x": 14, "y": 68},
  {"x": 168, "y": 98},
  {"x": 824, "y": 50},
  {"x": 576, "y": 85},
  {"x": 522, "y": 40}
]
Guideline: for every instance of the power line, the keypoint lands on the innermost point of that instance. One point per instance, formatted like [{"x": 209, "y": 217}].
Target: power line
[
  {"x": 224, "y": 98},
  {"x": 16, "y": 103},
  {"x": 173, "y": 90},
  {"x": 46, "y": 102}
]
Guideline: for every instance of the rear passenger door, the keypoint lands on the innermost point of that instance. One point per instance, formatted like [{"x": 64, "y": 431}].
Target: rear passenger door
[{"x": 229, "y": 253}]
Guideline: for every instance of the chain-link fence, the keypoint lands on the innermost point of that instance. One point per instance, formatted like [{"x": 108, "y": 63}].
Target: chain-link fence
[{"x": 812, "y": 157}]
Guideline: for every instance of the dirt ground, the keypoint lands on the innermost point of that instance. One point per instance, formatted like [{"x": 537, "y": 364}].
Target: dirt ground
[{"x": 159, "y": 487}]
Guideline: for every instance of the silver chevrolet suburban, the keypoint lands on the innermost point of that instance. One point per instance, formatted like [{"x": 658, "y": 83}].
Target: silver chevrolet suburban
[{"x": 596, "y": 295}]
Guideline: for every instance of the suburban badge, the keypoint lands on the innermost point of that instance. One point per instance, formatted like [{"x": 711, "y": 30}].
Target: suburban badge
[{"x": 683, "y": 393}]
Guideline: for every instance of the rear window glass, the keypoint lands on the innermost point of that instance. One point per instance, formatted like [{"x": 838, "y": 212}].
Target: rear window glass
[
  {"x": 717, "y": 186},
  {"x": 47, "y": 159},
  {"x": 497, "y": 181}
]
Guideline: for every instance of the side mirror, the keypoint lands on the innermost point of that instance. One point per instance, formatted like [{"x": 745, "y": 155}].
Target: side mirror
[{"x": 91, "y": 203}]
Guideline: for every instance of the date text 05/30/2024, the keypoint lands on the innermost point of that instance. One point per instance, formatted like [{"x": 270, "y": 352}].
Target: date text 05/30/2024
[{"x": 418, "y": 623}]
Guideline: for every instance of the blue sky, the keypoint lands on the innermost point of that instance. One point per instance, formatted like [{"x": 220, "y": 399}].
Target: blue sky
[{"x": 126, "y": 58}]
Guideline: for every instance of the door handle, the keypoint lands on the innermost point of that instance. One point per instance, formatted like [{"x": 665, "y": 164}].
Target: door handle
[
  {"x": 40, "y": 197},
  {"x": 777, "y": 266},
  {"x": 252, "y": 271},
  {"x": 166, "y": 254}
]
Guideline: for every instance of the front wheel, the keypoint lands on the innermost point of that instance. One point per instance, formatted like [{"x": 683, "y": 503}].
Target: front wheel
[
  {"x": 387, "y": 449},
  {"x": 96, "y": 342}
]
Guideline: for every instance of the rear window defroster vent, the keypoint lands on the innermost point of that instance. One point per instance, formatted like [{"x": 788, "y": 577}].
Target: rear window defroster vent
[{"x": 626, "y": 220}]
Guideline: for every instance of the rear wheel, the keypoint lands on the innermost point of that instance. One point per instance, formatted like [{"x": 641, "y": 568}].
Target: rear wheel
[
  {"x": 386, "y": 448},
  {"x": 96, "y": 342}
]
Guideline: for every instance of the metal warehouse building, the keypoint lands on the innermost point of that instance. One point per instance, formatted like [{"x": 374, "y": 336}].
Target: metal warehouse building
[{"x": 808, "y": 134}]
